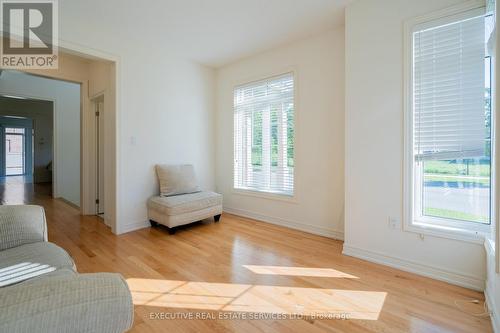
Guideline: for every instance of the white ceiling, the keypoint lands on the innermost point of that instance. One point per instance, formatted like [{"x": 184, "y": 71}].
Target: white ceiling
[{"x": 212, "y": 32}]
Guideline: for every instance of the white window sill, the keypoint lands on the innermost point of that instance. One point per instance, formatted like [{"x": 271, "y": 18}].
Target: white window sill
[
  {"x": 469, "y": 236},
  {"x": 266, "y": 195}
]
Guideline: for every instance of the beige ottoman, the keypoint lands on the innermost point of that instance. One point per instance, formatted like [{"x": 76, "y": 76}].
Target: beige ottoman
[{"x": 176, "y": 210}]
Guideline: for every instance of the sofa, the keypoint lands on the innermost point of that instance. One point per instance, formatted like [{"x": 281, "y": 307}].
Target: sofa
[
  {"x": 181, "y": 201},
  {"x": 40, "y": 289}
]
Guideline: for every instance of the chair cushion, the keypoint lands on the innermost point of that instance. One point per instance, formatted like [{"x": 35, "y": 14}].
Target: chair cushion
[
  {"x": 32, "y": 260},
  {"x": 176, "y": 179},
  {"x": 185, "y": 203}
]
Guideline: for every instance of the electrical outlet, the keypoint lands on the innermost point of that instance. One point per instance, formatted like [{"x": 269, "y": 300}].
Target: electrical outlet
[{"x": 394, "y": 223}]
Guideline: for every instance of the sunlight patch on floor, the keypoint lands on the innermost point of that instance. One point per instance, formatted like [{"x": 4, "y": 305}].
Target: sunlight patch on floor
[
  {"x": 256, "y": 298},
  {"x": 299, "y": 271}
]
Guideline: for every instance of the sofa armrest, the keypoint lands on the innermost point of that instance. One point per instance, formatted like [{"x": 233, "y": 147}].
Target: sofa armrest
[
  {"x": 78, "y": 303},
  {"x": 21, "y": 224}
]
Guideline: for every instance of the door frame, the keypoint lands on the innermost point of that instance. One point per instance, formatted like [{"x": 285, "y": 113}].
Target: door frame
[
  {"x": 96, "y": 123},
  {"x": 112, "y": 106},
  {"x": 112, "y": 98},
  {"x": 54, "y": 131}
]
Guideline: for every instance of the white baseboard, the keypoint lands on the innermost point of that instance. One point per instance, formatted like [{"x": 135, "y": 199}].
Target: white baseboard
[
  {"x": 455, "y": 278},
  {"x": 132, "y": 227},
  {"x": 330, "y": 233},
  {"x": 489, "y": 292},
  {"x": 493, "y": 308}
]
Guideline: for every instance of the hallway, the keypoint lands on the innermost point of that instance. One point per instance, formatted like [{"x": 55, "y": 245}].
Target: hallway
[{"x": 18, "y": 190}]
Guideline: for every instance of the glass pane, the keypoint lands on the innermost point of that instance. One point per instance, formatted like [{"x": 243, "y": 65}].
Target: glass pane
[
  {"x": 14, "y": 152},
  {"x": 14, "y": 130},
  {"x": 460, "y": 189},
  {"x": 257, "y": 139},
  {"x": 274, "y": 135},
  {"x": 290, "y": 134},
  {"x": 457, "y": 189}
]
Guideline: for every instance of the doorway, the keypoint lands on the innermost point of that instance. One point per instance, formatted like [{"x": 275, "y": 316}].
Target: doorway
[
  {"x": 15, "y": 151},
  {"x": 16, "y": 148},
  {"x": 95, "y": 73}
]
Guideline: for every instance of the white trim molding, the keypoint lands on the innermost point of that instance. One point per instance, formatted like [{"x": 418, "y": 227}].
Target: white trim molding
[
  {"x": 489, "y": 295},
  {"x": 132, "y": 227},
  {"x": 112, "y": 187},
  {"x": 265, "y": 195},
  {"x": 456, "y": 278},
  {"x": 495, "y": 319},
  {"x": 320, "y": 231},
  {"x": 489, "y": 292}
]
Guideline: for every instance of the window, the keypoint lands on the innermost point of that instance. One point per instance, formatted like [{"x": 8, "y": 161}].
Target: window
[
  {"x": 264, "y": 135},
  {"x": 449, "y": 123}
]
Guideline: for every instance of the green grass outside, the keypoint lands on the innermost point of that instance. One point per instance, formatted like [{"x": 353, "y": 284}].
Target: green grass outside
[
  {"x": 451, "y": 214},
  {"x": 257, "y": 156},
  {"x": 459, "y": 179},
  {"x": 448, "y": 168}
]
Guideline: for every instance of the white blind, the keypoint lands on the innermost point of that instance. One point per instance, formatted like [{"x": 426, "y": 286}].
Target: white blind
[
  {"x": 264, "y": 135},
  {"x": 449, "y": 89}
]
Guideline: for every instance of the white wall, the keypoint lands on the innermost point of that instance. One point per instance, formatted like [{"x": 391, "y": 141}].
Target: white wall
[
  {"x": 319, "y": 144},
  {"x": 374, "y": 148},
  {"x": 166, "y": 116},
  {"x": 41, "y": 114},
  {"x": 66, "y": 97}
]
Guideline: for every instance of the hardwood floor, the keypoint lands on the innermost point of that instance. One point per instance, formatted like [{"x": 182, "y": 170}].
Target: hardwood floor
[{"x": 245, "y": 267}]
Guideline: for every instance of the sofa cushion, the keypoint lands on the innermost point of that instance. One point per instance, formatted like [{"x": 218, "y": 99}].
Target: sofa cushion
[
  {"x": 99, "y": 302},
  {"x": 185, "y": 203},
  {"x": 21, "y": 224},
  {"x": 32, "y": 260},
  {"x": 176, "y": 179}
]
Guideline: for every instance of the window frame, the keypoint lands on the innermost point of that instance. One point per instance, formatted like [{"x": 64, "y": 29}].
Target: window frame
[
  {"x": 293, "y": 198},
  {"x": 434, "y": 226}
]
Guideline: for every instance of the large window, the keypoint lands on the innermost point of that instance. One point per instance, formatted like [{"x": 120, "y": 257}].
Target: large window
[
  {"x": 264, "y": 135},
  {"x": 449, "y": 123}
]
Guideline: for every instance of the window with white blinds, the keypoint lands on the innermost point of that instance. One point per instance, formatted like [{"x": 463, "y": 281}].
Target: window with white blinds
[
  {"x": 449, "y": 89},
  {"x": 264, "y": 135},
  {"x": 448, "y": 122}
]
